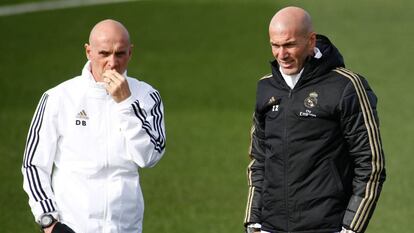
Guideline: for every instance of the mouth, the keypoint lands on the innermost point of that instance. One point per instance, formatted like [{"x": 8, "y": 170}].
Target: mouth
[{"x": 286, "y": 64}]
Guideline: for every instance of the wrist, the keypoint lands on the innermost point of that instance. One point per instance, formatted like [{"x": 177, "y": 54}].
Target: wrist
[
  {"x": 50, "y": 228},
  {"x": 253, "y": 227},
  {"x": 344, "y": 230},
  {"x": 47, "y": 220}
]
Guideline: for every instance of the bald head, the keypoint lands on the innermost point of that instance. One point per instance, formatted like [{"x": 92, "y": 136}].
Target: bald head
[
  {"x": 109, "y": 29},
  {"x": 292, "y": 19}
]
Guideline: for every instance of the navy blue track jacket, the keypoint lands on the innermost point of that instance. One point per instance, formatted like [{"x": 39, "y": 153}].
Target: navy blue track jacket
[{"x": 317, "y": 161}]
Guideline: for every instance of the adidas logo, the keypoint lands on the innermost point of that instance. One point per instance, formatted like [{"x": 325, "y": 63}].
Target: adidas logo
[
  {"x": 271, "y": 100},
  {"x": 82, "y": 115}
]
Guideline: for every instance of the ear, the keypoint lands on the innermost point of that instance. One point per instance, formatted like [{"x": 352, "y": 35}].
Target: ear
[
  {"x": 312, "y": 41},
  {"x": 87, "y": 51},
  {"x": 130, "y": 51}
]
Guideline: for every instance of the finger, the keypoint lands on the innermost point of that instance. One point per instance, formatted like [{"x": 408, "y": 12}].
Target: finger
[
  {"x": 106, "y": 80},
  {"x": 116, "y": 76},
  {"x": 112, "y": 80},
  {"x": 107, "y": 77},
  {"x": 108, "y": 83}
]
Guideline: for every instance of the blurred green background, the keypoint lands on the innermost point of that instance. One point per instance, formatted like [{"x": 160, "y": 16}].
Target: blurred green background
[{"x": 205, "y": 57}]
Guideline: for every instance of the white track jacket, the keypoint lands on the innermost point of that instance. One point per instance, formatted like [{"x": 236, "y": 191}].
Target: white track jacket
[{"x": 83, "y": 152}]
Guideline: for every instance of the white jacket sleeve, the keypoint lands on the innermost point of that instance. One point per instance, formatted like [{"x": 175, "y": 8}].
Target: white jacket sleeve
[
  {"x": 142, "y": 122},
  {"x": 38, "y": 158}
]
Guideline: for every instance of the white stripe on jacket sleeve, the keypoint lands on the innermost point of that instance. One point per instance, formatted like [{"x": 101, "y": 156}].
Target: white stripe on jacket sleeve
[
  {"x": 37, "y": 165},
  {"x": 142, "y": 121}
]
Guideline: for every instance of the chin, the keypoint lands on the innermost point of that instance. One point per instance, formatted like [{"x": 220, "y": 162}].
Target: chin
[{"x": 290, "y": 71}]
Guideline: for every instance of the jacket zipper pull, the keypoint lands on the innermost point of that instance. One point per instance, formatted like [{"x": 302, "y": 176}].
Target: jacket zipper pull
[{"x": 290, "y": 93}]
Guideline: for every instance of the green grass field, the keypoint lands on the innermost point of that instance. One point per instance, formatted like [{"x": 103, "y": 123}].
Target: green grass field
[{"x": 205, "y": 58}]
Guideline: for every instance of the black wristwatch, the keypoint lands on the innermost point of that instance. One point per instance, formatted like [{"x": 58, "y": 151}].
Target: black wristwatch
[{"x": 46, "y": 220}]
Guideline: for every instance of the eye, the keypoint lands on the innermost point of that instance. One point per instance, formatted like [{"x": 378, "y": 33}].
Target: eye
[
  {"x": 292, "y": 45},
  {"x": 104, "y": 53},
  {"x": 120, "y": 54},
  {"x": 276, "y": 46}
]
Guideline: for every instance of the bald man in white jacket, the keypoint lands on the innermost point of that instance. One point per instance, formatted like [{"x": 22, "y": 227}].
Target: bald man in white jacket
[{"x": 87, "y": 139}]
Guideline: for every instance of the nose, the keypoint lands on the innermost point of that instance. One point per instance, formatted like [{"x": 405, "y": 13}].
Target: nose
[
  {"x": 111, "y": 62},
  {"x": 282, "y": 53}
]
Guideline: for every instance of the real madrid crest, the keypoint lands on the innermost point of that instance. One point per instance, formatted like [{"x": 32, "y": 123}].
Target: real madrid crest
[{"x": 312, "y": 100}]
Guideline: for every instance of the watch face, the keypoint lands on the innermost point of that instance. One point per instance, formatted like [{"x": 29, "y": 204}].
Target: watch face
[{"x": 46, "y": 220}]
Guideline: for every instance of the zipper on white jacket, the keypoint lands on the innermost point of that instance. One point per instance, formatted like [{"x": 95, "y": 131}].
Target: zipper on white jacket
[{"x": 106, "y": 162}]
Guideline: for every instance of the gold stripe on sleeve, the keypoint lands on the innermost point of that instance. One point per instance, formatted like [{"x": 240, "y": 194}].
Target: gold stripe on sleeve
[
  {"x": 251, "y": 192},
  {"x": 371, "y": 190},
  {"x": 266, "y": 76},
  {"x": 251, "y": 140},
  {"x": 249, "y": 175}
]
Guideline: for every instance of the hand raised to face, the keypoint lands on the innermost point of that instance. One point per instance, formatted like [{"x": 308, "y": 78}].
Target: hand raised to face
[{"x": 116, "y": 85}]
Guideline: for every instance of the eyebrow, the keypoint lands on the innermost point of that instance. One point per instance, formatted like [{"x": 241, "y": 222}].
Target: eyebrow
[
  {"x": 103, "y": 51},
  {"x": 290, "y": 42}
]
